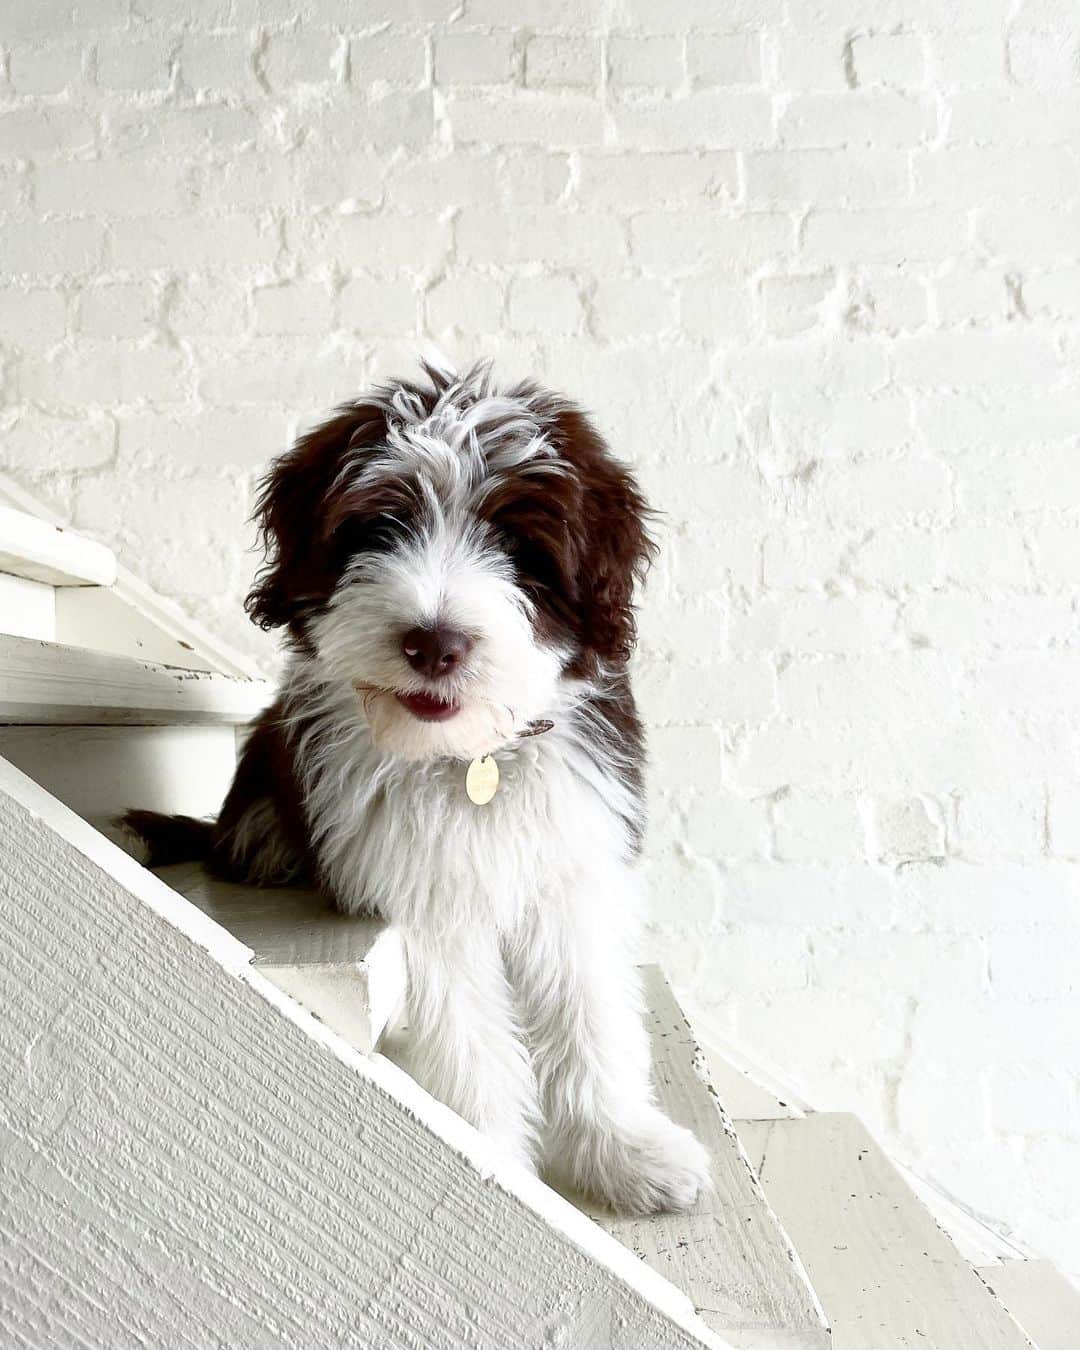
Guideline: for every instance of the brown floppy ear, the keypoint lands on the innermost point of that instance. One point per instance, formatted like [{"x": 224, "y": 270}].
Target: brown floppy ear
[
  {"x": 295, "y": 523},
  {"x": 613, "y": 541}
]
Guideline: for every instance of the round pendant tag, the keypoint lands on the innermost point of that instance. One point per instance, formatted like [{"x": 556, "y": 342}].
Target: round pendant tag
[{"x": 482, "y": 780}]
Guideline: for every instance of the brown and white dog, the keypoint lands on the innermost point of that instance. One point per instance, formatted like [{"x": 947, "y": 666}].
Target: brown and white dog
[{"x": 455, "y": 567}]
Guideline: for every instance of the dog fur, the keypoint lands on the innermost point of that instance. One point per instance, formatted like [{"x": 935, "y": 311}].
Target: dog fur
[{"x": 504, "y": 516}]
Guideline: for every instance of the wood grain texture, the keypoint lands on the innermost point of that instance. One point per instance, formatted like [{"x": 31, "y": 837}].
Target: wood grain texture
[
  {"x": 189, "y": 1160},
  {"x": 887, "y": 1275},
  {"x": 45, "y": 682},
  {"x": 729, "y": 1254},
  {"x": 41, "y": 551},
  {"x": 1042, "y": 1300}
]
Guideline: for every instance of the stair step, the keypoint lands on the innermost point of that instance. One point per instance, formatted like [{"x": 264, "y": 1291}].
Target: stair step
[
  {"x": 1041, "y": 1299},
  {"x": 744, "y": 1094},
  {"x": 888, "y": 1277},
  {"x": 99, "y": 772},
  {"x": 349, "y": 972},
  {"x": 48, "y": 682},
  {"x": 729, "y": 1255},
  {"x": 40, "y": 551}
]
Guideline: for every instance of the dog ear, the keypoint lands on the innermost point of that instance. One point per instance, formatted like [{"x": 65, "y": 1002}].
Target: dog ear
[
  {"x": 612, "y": 541},
  {"x": 295, "y": 521}
]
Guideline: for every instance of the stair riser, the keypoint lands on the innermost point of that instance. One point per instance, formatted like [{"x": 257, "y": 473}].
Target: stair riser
[{"x": 100, "y": 771}]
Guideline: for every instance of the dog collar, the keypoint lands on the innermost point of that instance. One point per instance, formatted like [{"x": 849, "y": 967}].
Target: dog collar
[{"x": 482, "y": 775}]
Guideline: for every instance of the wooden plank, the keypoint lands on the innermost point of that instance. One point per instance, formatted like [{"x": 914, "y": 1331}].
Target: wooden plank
[
  {"x": 191, "y": 1159},
  {"x": 729, "y": 1254},
  {"x": 101, "y": 771},
  {"x": 743, "y": 1096},
  {"x": 41, "y": 551},
  {"x": 102, "y": 621},
  {"x": 46, "y": 682},
  {"x": 28, "y": 608},
  {"x": 283, "y": 925},
  {"x": 888, "y": 1277},
  {"x": 349, "y": 972},
  {"x": 1041, "y": 1299}
]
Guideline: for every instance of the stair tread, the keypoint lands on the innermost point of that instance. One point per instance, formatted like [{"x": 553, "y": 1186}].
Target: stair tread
[
  {"x": 283, "y": 925},
  {"x": 887, "y": 1275},
  {"x": 743, "y": 1098},
  {"x": 1040, "y": 1298},
  {"x": 729, "y": 1255},
  {"x": 40, "y": 551},
  {"x": 52, "y": 683},
  {"x": 348, "y": 971}
]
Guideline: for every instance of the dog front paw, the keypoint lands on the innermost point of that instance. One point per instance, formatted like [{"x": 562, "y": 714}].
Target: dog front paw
[{"x": 651, "y": 1168}]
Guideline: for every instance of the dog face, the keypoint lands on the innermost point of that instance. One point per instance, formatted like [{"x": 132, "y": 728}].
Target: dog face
[{"x": 452, "y": 555}]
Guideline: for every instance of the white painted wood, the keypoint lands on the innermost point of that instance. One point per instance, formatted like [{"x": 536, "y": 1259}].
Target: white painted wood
[
  {"x": 887, "y": 1275},
  {"x": 729, "y": 1254},
  {"x": 146, "y": 612},
  {"x": 974, "y": 1239},
  {"x": 101, "y": 771},
  {"x": 349, "y": 972},
  {"x": 102, "y": 621},
  {"x": 1042, "y": 1300},
  {"x": 283, "y": 925},
  {"x": 191, "y": 1159},
  {"x": 27, "y": 608},
  {"x": 43, "y": 682},
  {"x": 754, "y": 1091},
  {"x": 43, "y": 551},
  {"x": 743, "y": 1096}
]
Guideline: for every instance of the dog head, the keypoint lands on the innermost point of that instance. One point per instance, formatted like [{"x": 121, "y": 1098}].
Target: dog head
[{"x": 452, "y": 554}]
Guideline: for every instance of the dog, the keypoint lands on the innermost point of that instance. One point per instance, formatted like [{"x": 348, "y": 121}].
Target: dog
[{"x": 455, "y": 747}]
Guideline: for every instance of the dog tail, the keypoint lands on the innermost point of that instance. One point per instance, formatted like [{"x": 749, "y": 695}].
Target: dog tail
[{"x": 156, "y": 839}]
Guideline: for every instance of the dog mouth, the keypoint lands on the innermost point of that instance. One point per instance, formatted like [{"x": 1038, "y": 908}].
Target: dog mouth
[{"x": 427, "y": 707}]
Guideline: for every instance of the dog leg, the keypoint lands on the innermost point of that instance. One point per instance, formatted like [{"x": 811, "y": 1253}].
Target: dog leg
[
  {"x": 465, "y": 1045},
  {"x": 581, "y": 1000}
]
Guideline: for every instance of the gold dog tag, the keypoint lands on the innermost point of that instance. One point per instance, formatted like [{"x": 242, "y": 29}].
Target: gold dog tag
[{"x": 482, "y": 780}]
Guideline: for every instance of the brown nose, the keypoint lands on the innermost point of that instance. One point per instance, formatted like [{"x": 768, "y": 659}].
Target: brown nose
[{"x": 435, "y": 652}]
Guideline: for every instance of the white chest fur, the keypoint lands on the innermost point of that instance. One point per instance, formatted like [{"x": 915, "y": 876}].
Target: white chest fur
[{"x": 404, "y": 838}]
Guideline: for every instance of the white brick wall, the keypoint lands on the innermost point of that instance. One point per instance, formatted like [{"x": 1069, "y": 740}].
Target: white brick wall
[{"x": 817, "y": 269}]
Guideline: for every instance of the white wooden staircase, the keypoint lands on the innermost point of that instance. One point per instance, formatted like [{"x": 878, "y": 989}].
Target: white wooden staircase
[{"x": 207, "y": 1137}]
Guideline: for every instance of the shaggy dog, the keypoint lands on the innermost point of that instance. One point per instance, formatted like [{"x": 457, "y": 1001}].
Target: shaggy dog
[{"x": 455, "y": 567}]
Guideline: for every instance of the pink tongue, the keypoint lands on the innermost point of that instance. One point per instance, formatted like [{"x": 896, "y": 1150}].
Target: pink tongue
[
  {"x": 428, "y": 706},
  {"x": 427, "y": 703}
]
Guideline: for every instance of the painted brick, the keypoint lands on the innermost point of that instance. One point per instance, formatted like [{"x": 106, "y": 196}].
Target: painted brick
[
  {"x": 645, "y": 62},
  {"x": 46, "y": 68},
  {"x": 707, "y": 120},
  {"x": 888, "y": 59},
  {"x": 374, "y": 305},
  {"x": 544, "y": 305},
  {"x": 881, "y": 119},
  {"x": 304, "y": 57},
  {"x": 389, "y": 57},
  {"x": 628, "y": 180},
  {"x": 827, "y": 177},
  {"x": 567, "y": 121},
  {"x": 563, "y": 62},
  {"x": 465, "y": 300},
  {"x": 734, "y": 58},
  {"x": 473, "y": 58}
]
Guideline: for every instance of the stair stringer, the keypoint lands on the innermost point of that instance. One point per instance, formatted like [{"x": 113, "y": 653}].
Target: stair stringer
[{"x": 192, "y": 1158}]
